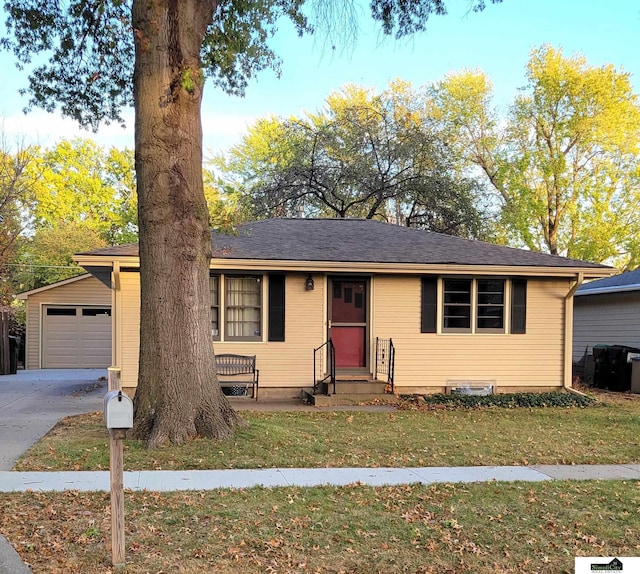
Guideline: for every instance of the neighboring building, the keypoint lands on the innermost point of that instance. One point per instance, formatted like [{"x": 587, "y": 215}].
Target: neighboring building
[
  {"x": 606, "y": 312},
  {"x": 68, "y": 325},
  {"x": 459, "y": 312}
]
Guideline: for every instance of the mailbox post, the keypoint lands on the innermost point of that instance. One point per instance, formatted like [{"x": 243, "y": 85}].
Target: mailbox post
[{"x": 118, "y": 417}]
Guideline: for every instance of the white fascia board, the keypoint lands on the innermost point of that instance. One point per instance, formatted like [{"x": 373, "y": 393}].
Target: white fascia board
[
  {"x": 223, "y": 264},
  {"x": 407, "y": 268}
]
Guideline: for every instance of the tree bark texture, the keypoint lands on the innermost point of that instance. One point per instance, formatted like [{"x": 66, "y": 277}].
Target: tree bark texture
[{"x": 178, "y": 396}]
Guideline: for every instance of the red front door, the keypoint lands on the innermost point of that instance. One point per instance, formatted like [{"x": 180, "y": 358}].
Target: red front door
[{"x": 348, "y": 325}]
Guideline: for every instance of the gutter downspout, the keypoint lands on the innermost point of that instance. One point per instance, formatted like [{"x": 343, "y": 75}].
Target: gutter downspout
[{"x": 568, "y": 332}]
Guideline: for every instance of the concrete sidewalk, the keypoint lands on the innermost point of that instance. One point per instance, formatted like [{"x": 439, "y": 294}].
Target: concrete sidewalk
[{"x": 167, "y": 480}]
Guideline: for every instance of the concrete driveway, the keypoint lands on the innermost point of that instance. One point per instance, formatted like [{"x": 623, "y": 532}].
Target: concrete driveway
[{"x": 32, "y": 402}]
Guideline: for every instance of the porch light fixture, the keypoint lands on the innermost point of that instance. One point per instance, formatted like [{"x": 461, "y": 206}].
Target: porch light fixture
[{"x": 308, "y": 284}]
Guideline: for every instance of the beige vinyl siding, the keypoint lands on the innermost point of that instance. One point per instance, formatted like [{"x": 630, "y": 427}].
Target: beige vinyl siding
[
  {"x": 607, "y": 318},
  {"x": 83, "y": 292},
  {"x": 534, "y": 359},
  {"x": 289, "y": 363},
  {"x": 128, "y": 310},
  {"x": 423, "y": 361},
  {"x": 281, "y": 364}
]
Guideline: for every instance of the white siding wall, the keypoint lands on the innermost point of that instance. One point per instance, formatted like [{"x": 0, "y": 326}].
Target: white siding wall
[{"x": 608, "y": 318}]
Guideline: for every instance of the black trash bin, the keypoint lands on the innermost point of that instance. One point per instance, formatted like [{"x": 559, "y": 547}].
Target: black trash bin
[
  {"x": 13, "y": 355},
  {"x": 620, "y": 367},
  {"x": 601, "y": 366}
]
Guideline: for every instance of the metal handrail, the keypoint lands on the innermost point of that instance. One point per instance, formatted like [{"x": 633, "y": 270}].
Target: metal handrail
[
  {"x": 318, "y": 357},
  {"x": 386, "y": 360}
]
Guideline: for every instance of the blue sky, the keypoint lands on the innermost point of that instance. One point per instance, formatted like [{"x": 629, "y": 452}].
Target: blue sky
[{"x": 498, "y": 41}]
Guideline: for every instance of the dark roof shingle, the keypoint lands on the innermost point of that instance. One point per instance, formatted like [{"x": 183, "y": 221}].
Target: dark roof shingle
[
  {"x": 629, "y": 281},
  {"x": 361, "y": 241}
]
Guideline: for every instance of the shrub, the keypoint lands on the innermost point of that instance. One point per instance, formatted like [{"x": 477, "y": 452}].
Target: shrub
[{"x": 509, "y": 401}]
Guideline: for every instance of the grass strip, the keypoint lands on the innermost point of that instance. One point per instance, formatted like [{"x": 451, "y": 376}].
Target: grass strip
[
  {"x": 605, "y": 434},
  {"x": 479, "y": 528}
]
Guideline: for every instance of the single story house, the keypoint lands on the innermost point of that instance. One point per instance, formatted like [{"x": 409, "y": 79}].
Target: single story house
[
  {"x": 458, "y": 312},
  {"x": 68, "y": 325},
  {"x": 606, "y": 311}
]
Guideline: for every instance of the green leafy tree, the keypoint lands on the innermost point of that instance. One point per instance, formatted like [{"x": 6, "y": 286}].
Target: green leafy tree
[
  {"x": 363, "y": 155},
  {"x": 120, "y": 175},
  {"x": 104, "y": 55},
  {"x": 565, "y": 165},
  {"x": 81, "y": 196},
  {"x": 82, "y": 183},
  {"x": 17, "y": 180},
  {"x": 47, "y": 256},
  {"x": 223, "y": 206}
]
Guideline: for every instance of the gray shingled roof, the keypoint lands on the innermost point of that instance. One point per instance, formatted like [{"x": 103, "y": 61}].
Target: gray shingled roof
[
  {"x": 361, "y": 241},
  {"x": 629, "y": 281}
]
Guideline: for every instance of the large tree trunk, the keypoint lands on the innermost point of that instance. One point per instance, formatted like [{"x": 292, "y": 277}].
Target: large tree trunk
[{"x": 178, "y": 396}]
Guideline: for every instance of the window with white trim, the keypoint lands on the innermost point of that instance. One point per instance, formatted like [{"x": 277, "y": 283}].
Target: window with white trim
[
  {"x": 243, "y": 308},
  {"x": 214, "y": 292},
  {"x": 473, "y": 305},
  {"x": 456, "y": 314},
  {"x": 490, "y": 305}
]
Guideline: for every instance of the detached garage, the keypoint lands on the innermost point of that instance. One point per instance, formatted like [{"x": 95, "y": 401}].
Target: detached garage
[{"x": 68, "y": 325}]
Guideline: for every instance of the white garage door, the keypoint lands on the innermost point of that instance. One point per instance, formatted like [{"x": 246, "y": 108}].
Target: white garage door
[{"x": 76, "y": 337}]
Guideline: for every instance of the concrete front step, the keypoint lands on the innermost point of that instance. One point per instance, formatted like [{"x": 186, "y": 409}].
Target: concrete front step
[
  {"x": 353, "y": 387},
  {"x": 348, "y": 399},
  {"x": 355, "y": 376}
]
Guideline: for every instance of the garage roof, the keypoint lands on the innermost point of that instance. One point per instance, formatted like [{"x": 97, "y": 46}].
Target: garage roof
[{"x": 25, "y": 294}]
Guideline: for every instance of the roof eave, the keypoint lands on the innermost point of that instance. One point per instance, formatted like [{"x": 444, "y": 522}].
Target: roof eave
[
  {"x": 411, "y": 268},
  {"x": 23, "y": 296},
  {"x": 92, "y": 260},
  {"x": 366, "y": 267},
  {"x": 612, "y": 289}
]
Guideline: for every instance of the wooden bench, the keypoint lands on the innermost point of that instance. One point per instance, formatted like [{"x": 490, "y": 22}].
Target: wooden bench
[{"x": 236, "y": 373}]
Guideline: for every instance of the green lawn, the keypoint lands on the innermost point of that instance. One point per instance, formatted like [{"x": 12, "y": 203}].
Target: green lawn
[
  {"x": 477, "y": 528},
  {"x": 603, "y": 434},
  {"x": 445, "y": 528}
]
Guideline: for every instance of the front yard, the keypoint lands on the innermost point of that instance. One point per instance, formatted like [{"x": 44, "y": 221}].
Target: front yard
[
  {"x": 450, "y": 528},
  {"x": 478, "y": 528},
  {"x": 603, "y": 434}
]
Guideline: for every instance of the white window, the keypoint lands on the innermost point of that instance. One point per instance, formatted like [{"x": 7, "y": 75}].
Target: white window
[
  {"x": 214, "y": 290},
  {"x": 473, "y": 305},
  {"x": 457, "y": 305},
  {"x": 490, "y": 305},
  {"x": 243, "y": 308}
]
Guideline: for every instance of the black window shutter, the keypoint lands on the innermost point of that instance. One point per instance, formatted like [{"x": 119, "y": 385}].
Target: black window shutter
[
  {"x": 276, "y": 307},
  {"x": 518, "y": 306},
  {"x": 429, "y": 305}
]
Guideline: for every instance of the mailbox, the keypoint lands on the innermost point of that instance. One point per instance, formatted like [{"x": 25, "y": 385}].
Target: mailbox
[{"x": 118, "y": 410}]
